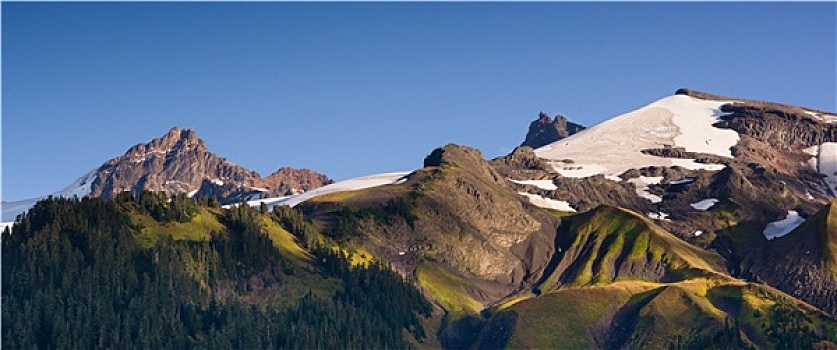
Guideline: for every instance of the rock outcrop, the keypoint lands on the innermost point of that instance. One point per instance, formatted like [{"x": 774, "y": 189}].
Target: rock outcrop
[
  {"x": 545, "y": 130},
  {"x": 287, "y": 181}
]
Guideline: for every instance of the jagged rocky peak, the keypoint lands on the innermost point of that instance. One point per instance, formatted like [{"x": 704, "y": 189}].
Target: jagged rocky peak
[
  {"x": 288, "y": 180},
  {"x": 176, "y": 139},
  {"x": 546, "y": 130},
  {"x": 177, "y": 162}
]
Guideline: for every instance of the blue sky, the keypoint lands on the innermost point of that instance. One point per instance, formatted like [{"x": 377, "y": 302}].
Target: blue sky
[{"x": 350, "y": 89}]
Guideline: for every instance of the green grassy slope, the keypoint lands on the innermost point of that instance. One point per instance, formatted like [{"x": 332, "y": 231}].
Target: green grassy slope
[
  {"x": 610, "y": 244},
  {"x": 200, "y": 228},
  {"x": 447, "y": 288},
  {"x": 698, "y": 313}
]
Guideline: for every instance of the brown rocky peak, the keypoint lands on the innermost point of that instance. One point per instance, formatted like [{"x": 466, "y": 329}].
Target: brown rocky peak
[
  {"x": 176, "y": 162},
  {"x": 455, "y": 155},
  {"x": 176, "y": 140},
  {"x": 289, "y": 180},
  {"x": 546, "y": 130}
]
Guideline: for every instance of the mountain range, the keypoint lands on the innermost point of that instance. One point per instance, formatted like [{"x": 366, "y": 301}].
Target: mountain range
[{"x": 696, "y": 221}]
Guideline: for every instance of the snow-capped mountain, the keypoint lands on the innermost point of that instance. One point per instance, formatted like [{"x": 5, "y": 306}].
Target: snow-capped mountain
[
  {"x": 615, "y": 146},
  {"x": 759, "y": 160}
]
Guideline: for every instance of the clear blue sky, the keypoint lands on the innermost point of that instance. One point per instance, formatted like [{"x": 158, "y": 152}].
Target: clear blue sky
[{"x": 354, "y": 89}]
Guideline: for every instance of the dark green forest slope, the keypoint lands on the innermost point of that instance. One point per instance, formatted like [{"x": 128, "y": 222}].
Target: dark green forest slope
[{"x": 143, "y": 271}]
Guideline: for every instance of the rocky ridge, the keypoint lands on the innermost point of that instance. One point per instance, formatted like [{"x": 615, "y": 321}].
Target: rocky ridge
[
  {"x": 458, "y": 217},
  {"x": 545, "y": 130},
  {"x": 179, "y": 162}
]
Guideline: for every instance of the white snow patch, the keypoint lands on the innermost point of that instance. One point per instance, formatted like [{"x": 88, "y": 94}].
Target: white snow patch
[
  {"x": 641, "y": 183},
  {"x": 698, "y": 233},
  {"x": 542, "y": 184},
  {"x": 827, "y": 164},
  {"x": 682, "y": 181},
  {"x": 342, "y": 186},
  {"x": 826, "y": 118},
  {"x": 616, "y": 145},
  {"x": 782, "y": 227},
  {"x": 691, "y": 164},
  {"x": 192, "y": 193},
  {"x": 813, "y": 150},
  {"x": 12, "y": 209},
  {"x": 824, "y": 161},
  {"x": 217, "y": 182},
  {"x": 704, "y": 204},
  {"x": 4, "y": 225},
  {"x": 79, "y": 188},
  {"x": 659, "y": 216},
  {"x": 613, "y": 178},
  {"x": 548, "y": 202}
]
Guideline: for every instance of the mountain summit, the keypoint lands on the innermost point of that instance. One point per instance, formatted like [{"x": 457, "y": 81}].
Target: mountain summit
[
  {"x": 180, "y": 162},
  {"x": 176, "y": 162}
]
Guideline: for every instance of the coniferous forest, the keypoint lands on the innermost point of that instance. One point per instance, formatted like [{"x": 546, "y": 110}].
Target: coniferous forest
[{"x": 94, "y": 273}]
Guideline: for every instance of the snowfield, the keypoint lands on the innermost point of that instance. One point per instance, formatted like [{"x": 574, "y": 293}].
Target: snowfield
[
  {"x": 782, "y": 227},
  {"x": 342, "y": 186},
  {"x": 826, "y": 118},
  {"x": 79, "y": 188},
  {"x": 704, "y": 204},
  {"x": 827, "y": 164},
  {"x": 542, "y": 184},
  {"x": 616, "y": 145},
  {"x": 641, "y": 183},
  {"x": 548, "y": 202},
  {"x": 824, "y": 161}
]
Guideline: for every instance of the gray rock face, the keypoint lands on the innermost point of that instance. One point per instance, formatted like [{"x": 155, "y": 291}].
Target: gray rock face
[
  {"x": 179, "y": 162},
  {"x": 794, "y": 263},
  {"x": 544, "y": 130},
  {"x": 782, "y": 127}
]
